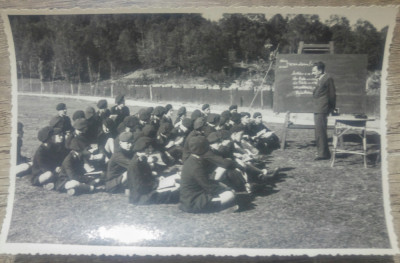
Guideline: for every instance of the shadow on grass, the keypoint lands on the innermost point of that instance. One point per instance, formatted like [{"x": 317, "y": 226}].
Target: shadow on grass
[
  {"x": 286, "y": 169},
  {"x": 305, "y": 145}
]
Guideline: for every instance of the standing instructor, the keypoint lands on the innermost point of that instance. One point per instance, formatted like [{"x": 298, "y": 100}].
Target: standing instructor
[{"x": 324, "y": 100}]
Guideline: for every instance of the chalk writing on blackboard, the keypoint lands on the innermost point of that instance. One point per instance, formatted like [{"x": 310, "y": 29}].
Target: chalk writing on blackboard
[
  {"x": 294, "y": 83},
  {"x": 284, "y": 63},
  {"x": 303, "y": 83}
]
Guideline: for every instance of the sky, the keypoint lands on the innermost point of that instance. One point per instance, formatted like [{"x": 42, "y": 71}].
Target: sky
[{"x": 378, "y": 16}]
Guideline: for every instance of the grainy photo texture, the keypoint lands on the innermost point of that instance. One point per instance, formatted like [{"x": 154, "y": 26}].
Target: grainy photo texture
[{"x": 252, "y": 133}]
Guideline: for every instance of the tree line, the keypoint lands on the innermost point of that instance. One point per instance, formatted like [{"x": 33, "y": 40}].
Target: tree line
[{"x": 89, "y": 48}]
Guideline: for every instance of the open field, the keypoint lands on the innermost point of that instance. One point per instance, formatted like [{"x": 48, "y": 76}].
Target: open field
[{"x": 312, "y": 205}]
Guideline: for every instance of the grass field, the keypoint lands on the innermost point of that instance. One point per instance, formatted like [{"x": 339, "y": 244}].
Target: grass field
[{"x": 312, "y": 205}]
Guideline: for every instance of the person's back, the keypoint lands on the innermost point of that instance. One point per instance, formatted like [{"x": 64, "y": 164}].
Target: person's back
[
  {"x": 197, "y": 189},
  {"x": 43, "y": 161},
  {"x": 118, "y": 164},
  {"x": 141, "y": 181},
  {"x": 198, "y": 193}
]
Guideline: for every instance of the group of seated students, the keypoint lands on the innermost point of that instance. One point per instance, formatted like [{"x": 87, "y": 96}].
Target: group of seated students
[{"x": 142, "y": 154}]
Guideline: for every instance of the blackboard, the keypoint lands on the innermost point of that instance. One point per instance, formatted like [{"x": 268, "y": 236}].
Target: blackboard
[{"x": 294, "y": 82}]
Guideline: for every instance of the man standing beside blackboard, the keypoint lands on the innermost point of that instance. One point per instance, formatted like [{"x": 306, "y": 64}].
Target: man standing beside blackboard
[{"x": 324, "y": 96}]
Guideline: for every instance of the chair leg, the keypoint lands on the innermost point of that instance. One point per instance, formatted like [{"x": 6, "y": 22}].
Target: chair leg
[
  {"x": 364, "y": 132},
  {"x": 285, "y": 130},
  {"x": 334, "y": 143}
]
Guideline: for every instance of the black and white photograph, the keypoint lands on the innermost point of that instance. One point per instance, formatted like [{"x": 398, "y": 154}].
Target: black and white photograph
[{"x": 226, "y": 132}]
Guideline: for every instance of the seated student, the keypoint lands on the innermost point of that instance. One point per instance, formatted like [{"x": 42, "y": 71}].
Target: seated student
[
  {"x": 198, "y": 125},
  {"x": 167, "y": 145},
  {"x": 73, "y": 177},
  {"x": 105, "y": 138},
  {"x": 181, "y": 114},
  {"x": 196, "y": 114},
  {"x": 245, "y": 124},
  {"x": 116, "y": 176},
  {"x": 235, "y": 119},
  {"x": 48, "y": 158},
  {"x": 148, "y": 131},
  {"x": 61, "y": 120},
  {"x": 144, "y": 117},
  {"x": 244, "y": 158},
  {"x": 145, "y": 186},
  {"x": 119, "y": 111},
  {"x": 177, "y": 138},
  {"x": 212, "y": 122},
  {"x": 103, "y": 112},
  {"x": 263, "y": 138},
  {"x": 198, "y": 193},
  {"x": 205, "y": 110},
  {"x": 24, "y": 164},
  {"x": 182, "y": 131},
  {"x": 157, "y": 114},
  {"x": 224, "y": 121},
  {"x": 225, "y": 170},
  {"x": 79, "y": 114},
  {"x": 129, "y": 124},
  {"x": 93, "y": 124},
  {"x": 90, "y": 151},
  {"x": 167, "y": 117}
]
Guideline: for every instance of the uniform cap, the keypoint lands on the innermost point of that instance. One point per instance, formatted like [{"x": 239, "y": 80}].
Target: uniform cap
[
  {"x": 119, "y": 99},
  {"x": 89, "y": 112},
  {"x": 126, "y": 137},
  {"x": 80, "y": 124},
  {"x": 181, "y": 111},
  {"x": 243, "y": 114},
  {"x": 168, "y": 107},
  {"x": 198, "y": 145},
  {"x": 159, "y": 111},
  {"x": 233, "y": 107},
  {"x": 213, "y": 118},
  {"x": 131, "y": 121},
  {"x": 195, "y": 114},
  {"x": 144, "y": 114},
  {"x": 256, "y": 114},
  {"x": 45, "y": 133},
  {"x": 102, "y": 104},
  {"x": 78, "y": 115},
  {"x": 225, "y": 116},
  {"x": 61, "y": 106},
  {"x": 235, "y": 117},
  {"x": 188, "y": 123},
  {"x": 205, "y": 106}
]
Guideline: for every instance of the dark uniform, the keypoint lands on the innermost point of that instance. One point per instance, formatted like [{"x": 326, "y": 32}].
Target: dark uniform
[
  {"x": 117, "y": 165},
  {"x": 197, "y": 189},
  {"x": 265, "y": 145},
  {"x": 46, "y": 158},
  {"x": 324, "y": 98},
  {"x": 61, "y": 122},
  {"x": 72, "y": 168}
]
